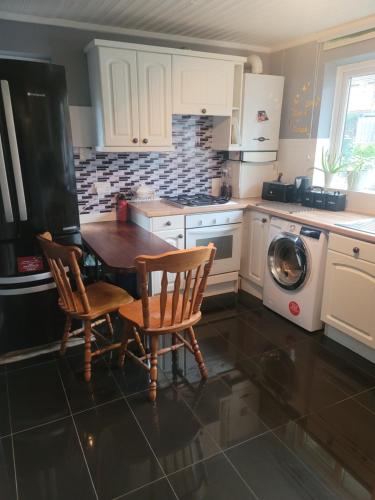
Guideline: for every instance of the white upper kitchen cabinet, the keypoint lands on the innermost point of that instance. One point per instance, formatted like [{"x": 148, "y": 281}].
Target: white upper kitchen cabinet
[
  {"x": 114, "y": 91},
  {"x": 155, "y": 105},
  {"x": 202, "y": 86}
]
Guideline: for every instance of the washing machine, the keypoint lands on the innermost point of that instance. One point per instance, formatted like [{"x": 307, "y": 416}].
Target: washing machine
[{"x": 294, "y": 274}]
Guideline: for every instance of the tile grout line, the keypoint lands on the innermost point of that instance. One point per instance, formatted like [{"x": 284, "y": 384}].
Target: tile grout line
[
  {"x": 11, "y": 434},
  {"x": 144, "y": 435},
  {"x": 76, "y": 431},
  {"x": 240, "y": 476},
  {"x": 124, "y": 495}
]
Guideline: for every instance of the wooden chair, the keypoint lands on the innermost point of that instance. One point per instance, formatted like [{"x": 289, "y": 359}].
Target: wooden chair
[
  {"x": 85, "y": 303},
  {"x": 169, "y": 313}
]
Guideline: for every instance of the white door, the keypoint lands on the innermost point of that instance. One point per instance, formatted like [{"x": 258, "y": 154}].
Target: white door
[
  {"x": 255, "y": 248},
  {"x": 202, "y": 86},
  {"x": 155, "y": 98},
  {"x": 349, "y": 297},
  {"x": 261, "y": 112},
  {"x": 118, "y": 75},
  {"x": 176, "y": 238}
]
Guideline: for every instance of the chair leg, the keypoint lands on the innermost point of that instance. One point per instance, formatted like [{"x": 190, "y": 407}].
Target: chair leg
[
  {"x": 154, "y": 367},
  {"x": 87, "y": 351},
  {"x": 139, "y": 341},
  {"x": 68, "y": 324},
  {"x": 124, "y": 345},
  {"x": 109, "y": 324},
  {"x": 197, "y": 353}
]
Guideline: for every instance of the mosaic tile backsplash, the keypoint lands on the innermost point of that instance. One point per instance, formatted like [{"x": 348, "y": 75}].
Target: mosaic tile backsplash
[{"x": 187, "y": 169}]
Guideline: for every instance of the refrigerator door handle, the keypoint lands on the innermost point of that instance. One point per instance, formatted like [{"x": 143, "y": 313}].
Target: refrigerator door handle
[
  {"x": 4, "y": 187},
  {"x": 14, "y": 149}
]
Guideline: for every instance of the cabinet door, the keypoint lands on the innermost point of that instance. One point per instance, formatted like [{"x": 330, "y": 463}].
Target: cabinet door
[
  {"x": 255, "y": 248},
  {"x": 202, "y": 86},
  {"x": 155, "y": 98},
  {"x": 349, "y": 297},
  {"x": 118, "y": 75},
  {"x": 176, "y": 238}
]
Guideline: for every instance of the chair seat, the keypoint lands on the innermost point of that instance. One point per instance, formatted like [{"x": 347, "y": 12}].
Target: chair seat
[
  {"x": 133, "y": 313},
  {"x": 103, "y": 299}
]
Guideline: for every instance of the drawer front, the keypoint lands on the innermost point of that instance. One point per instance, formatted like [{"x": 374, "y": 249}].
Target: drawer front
[
  {"x": 214, "y": 218},
  {"x": 349, "y": 246},
  {"x": 167, "y": 222}
]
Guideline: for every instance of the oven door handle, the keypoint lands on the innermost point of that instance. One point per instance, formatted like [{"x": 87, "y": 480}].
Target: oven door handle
[{"x": 213, "y": 230}]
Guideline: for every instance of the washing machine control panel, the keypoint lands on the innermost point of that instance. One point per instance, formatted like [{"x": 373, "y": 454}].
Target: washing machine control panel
[{"x": 310, "y": 232}]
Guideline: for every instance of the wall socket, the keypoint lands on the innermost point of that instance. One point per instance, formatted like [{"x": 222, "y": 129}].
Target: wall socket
[{"x": 102, "y": 187}]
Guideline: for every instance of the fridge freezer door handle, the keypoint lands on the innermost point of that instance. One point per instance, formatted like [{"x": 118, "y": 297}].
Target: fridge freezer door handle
[
  {"x": 14, "y": 149},
  {"x": 4, "y": 187}
]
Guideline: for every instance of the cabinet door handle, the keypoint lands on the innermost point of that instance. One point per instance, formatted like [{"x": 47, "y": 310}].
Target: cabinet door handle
[
  {"x": 356, "y": 251},
  {"x": 168, "y": 223},
  {"x": 180, "y": 235},
  {"x": 204, "y": 111},
  {"x": 264, "y": 220},
  {"x": 135, "y": 140},
  {"x": 145, "y": 141},
  {"x": 261, "y": 139}
]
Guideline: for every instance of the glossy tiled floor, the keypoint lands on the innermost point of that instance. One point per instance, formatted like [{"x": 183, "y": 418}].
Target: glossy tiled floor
[{"x": 283, "y": 415}]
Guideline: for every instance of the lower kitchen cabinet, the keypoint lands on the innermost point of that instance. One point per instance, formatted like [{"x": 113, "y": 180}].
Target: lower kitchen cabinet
[
  {"x": 349, "y": 288},
  {"x": 176, "y": 238},
  {"x": 254, "y": 246}
]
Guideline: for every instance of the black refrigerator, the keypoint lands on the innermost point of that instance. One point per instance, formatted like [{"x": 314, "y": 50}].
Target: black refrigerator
[{"x": 38, "y": 193}]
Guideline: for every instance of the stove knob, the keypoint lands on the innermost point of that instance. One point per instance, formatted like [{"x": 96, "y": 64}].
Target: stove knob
[
  {"x": 213, "y": 221},
  {"x": 228, "y": 220},
  {"x": 168, "y": 223},
  {"x": 200, "y": 222}
]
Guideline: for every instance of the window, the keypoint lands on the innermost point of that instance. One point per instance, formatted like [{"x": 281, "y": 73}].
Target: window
[{"x": 352, "y": 135}]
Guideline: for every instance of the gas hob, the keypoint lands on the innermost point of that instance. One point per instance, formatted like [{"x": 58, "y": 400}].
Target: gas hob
[{"x": 196, "y": 200}]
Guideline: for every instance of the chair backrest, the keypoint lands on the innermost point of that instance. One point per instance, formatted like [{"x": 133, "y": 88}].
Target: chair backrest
[
  {"x": 59, "y": 257},
  {"x": 195, "y": 262}
]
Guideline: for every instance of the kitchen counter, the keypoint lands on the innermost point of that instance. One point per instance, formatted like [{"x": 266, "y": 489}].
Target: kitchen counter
[
  {"x": 322, "y": 219},
  {"x": 159, "y": 208}
]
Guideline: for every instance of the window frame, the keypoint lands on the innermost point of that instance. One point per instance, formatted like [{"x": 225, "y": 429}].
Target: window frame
[{"x": 340, "y": 104}]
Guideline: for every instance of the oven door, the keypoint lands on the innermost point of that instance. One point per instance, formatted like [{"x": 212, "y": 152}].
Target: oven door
[{"x": 227, "y": 240}]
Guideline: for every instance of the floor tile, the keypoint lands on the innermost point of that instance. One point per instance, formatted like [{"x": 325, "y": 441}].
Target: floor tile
[
  {"x": 36, "y": 396},
  {"x": 273, "y": 472},
  {"x": 117, "y": 453},
  {"x": 50, "y": 463},
  {"x": 214, "y": 478},
  {"x": 277, "y": 329},
  {"x": 4, "y": 408},
  {"x": 81, "y": 394},
  {"x": 229, "y": 414},
  {"x": 31, "y": 361},
  {"x": 367, "y": 399},
  {"x": 160, "y": 490},
  {"x": 215, "y": 308},
  {"x": 133, "y": 378},
  {"x": 247, "y": 340},
  {"x": 329, "y": 455},
  {"x": 176, "y": 436},
  {"x": 296, "y": 381},
  {"x": 7, "y": 477}
]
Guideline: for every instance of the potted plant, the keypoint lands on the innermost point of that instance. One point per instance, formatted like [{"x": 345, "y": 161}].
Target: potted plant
[
  {"x": 332, "y": 165},
  {"x": 362, "y": 159}
]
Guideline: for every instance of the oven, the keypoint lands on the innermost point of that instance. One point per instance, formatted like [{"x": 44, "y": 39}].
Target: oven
[{"x": 224, "y": 229}]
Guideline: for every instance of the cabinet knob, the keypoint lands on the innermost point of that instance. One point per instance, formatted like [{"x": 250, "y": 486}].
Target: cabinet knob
[
  {"x": 356, "y": 251},
  {"x": 135, "y": 140},
  {"x": 145, "y": 141},
  {"x": 264, "y": 220},
  {"x": 180, "y": 235},
  {"x": 204, "y": 111},
  {"x": 168, "y": 223}
]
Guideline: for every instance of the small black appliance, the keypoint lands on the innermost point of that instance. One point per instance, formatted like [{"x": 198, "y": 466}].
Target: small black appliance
[
  {"x": 278, "y": 191},
  {"x": 301, "y": 185}
]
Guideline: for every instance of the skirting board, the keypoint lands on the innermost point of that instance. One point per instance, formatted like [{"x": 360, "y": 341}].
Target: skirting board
[
  {"x": 251, "y": 288},
  {"x": 350, "y": 343}
]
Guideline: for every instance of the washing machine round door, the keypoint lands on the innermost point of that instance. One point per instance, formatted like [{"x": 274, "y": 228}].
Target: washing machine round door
[{"x": 288, "y": 261}]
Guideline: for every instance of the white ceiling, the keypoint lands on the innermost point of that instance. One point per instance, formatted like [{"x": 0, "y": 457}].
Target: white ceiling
[{"x": 265, "y": 23}]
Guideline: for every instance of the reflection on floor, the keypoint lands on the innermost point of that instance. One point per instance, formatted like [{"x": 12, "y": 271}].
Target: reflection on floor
[{"x": 283, "y": 415}]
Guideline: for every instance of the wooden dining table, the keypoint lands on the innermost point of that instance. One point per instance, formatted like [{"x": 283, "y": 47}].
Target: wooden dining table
[{"x": 116, "y": 244}]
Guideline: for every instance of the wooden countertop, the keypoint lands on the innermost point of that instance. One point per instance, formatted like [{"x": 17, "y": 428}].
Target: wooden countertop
[
  {"x": 159, "y": 208},
  {"x": 117, "y": 244},
  {"x": 322, "y": 219}
]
